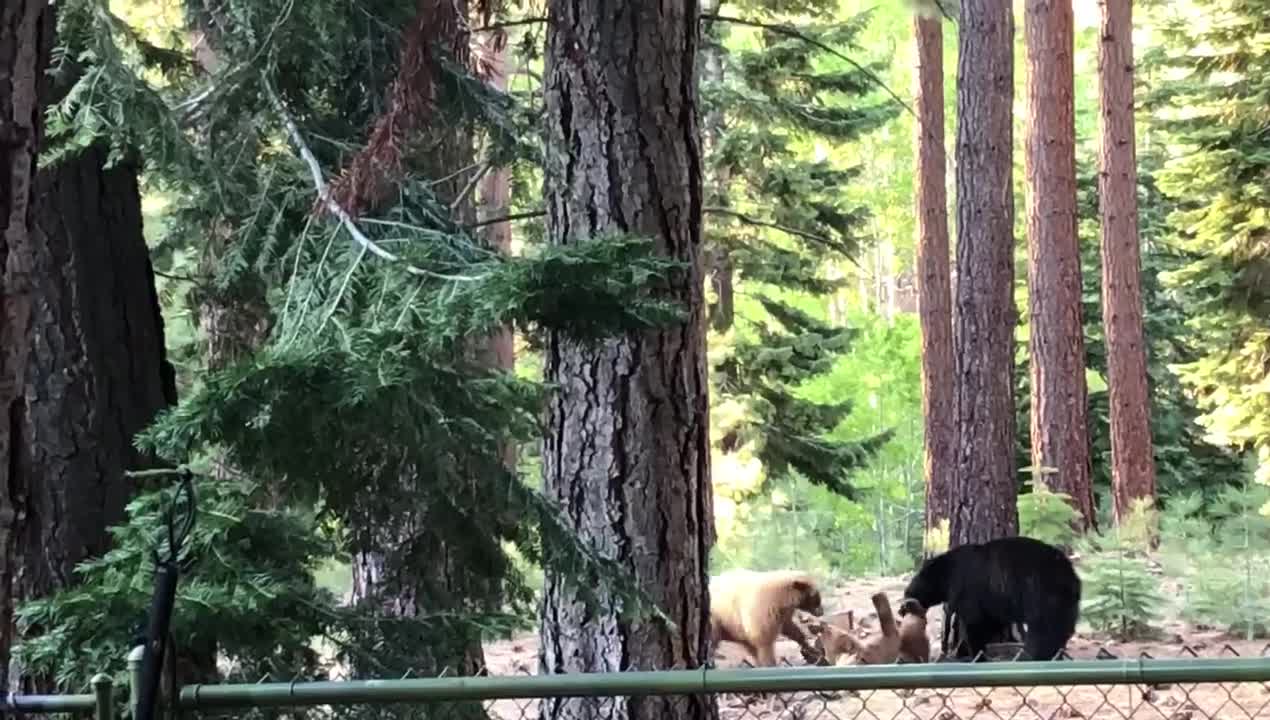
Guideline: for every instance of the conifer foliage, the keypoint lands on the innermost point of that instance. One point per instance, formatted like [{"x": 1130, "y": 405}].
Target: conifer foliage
[
  {"x": 777, "y": 219},
  {"x": 361, "y": 409},
  {"x": 1218, "y": 181}
]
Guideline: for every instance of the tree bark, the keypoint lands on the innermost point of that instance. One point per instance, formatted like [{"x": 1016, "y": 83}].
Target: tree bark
[
  {"x": 1132, "y": 461},
  {"x": 85, "y": 365},
  {"x": 984, "y": 497},
  {"x": 1059, "y": 434},
  {"x": 934, "y": 276},
  {"x": 23, "y": 55},
  {"x": 626, "y": 451},
  {"x": 495, "y": 200}
]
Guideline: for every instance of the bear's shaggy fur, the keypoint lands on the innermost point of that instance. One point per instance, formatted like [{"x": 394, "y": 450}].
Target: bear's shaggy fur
[
  {"x": 914, "y": 643},
  {"x": 753, "y": 609},
  {"x": 990, "y": 586},
  {"x": 839, "y": 646}
]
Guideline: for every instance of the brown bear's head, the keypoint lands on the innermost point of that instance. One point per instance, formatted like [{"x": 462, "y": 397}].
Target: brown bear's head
[{"x": 810, "y": 598}]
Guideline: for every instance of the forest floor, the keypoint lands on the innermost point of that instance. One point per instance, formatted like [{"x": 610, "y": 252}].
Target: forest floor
[{"x": 519, "y": 656}]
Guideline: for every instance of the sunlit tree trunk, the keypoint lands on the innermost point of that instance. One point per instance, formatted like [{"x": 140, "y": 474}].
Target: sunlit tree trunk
[
  {"x": 626, "y": 451},
  {"x": 1132, "y": 462},
  {"x": 1060, "y": 439},
  {"x": 934, "y": 296},
  {"x": 984, "y": 495}
]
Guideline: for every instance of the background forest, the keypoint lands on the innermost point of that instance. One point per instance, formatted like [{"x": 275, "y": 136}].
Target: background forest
[{"x": 341, "y": 306}]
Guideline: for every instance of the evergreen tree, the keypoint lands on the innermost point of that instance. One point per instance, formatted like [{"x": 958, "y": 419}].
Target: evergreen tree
[
  {"x": 360, "y": 405},
  {"x": 939, "y": 391},
  {"x": 985, "y": 490},
  {"x": 1216, "y": 180},
  {"x": 1060, "y": 448},
  {"x": 84, "y": 361},
  {"x": 626, "y": 450},
  {"x": 1132, "y": 461},
  {"x": 776, "y": 219}
]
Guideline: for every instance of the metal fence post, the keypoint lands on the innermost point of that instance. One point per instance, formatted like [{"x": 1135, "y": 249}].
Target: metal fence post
[
  {"x": 134, "y": 678},
  {"x": 104, "y": 690}
]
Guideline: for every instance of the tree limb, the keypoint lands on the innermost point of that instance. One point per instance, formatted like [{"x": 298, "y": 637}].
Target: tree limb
[
  {"x": 750, "y": 220},
  {"x": 527, "y": 215},
  {"x": 791, "y": 32},
  {"x": 324, "y": 192}
]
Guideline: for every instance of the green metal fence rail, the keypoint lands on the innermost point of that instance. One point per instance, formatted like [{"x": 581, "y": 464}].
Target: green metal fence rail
[
  {"x": 1142, "y": 671},
  {"x": 1203, "y": 688}
]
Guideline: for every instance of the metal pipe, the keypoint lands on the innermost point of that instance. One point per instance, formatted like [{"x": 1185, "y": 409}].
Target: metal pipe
[
  {"x": 104, "y": 692},
  {"x": 684, "y": 682},
  {"x": 136, "y": 659},
  {"x": 46, "y": 704}
]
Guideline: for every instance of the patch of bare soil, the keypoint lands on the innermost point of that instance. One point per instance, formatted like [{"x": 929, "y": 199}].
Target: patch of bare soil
[{"x": 519, "y": 656}]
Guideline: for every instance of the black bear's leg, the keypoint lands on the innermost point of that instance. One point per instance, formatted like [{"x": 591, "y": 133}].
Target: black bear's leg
[
  {"x": 975, "y": 634},
  {"x": 1047, "y": 635}
]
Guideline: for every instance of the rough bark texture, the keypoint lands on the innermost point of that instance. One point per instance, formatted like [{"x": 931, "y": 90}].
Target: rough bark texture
[
  {"x": 22, "y": 59},
  {"x": 1059, "y": 402},
  {"x": 84, "y": 364},
  {"x": 934, "y": 276},
  {"x": 626, "y": 451},
  {"x": 984, "y": 495},
  {"x": 1132, "y": 461}
]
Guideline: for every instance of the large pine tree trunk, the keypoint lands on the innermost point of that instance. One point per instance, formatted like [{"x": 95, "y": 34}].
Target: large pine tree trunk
[
  {"x": 934, "y": 276},
  {"x": 22, "y": 59},
  {"x": 1059, "y": 406},
  {"x": 84, "y": 362},
  {"x": 1132, "y": 462},
  {"x": 984, "y": 496},
  {"x": 626, "y": 451}
]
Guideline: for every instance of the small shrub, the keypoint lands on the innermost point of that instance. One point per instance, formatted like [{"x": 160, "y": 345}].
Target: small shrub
[
  {"x": 1047, "y": 516},
  {"x": 1120, "y": 596}
]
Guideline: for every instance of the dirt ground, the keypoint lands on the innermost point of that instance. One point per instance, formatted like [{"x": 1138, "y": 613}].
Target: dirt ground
[{"x": 518, "y": 656}]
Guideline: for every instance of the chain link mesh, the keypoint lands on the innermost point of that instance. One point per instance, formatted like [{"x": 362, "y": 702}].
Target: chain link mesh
[{"x": 1177, "y": 701}]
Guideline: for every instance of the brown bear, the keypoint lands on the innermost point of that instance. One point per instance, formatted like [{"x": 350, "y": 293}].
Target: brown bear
[
  {"x": 753, "y": 609},
  {"x": 914, "y": 642}
]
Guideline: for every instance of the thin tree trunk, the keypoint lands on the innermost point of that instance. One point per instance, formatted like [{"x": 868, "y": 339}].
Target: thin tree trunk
[
  {"x": 1132, "y": 461},
  {"x": 934, "y": 293},
  {"x": 1059, "y": 434},
  {"x": 984, "y": 497},
  {"x": 627, "y": 451},
  {"x": 722, "y": 268},
  {"x": 85, "y": 366},
  {"x": 495, "y": 200},
  {"x": 402, "y": 565}
]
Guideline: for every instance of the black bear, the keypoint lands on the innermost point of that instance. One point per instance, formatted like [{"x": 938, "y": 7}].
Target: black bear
[{"x": 1003, "y": 582}]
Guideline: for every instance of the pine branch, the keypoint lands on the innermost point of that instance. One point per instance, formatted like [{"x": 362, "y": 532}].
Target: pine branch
[
  {"x": 513, "y": 217},
  {"x": 510, "y": 24},
  {"x": 324, "y": 192},
  {"x": 750, "y": 220},
  {"x": 791, "y": 32}
]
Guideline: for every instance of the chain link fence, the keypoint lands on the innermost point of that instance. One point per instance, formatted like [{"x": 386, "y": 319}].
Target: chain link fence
[{"x": 1189, "y": 686}]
